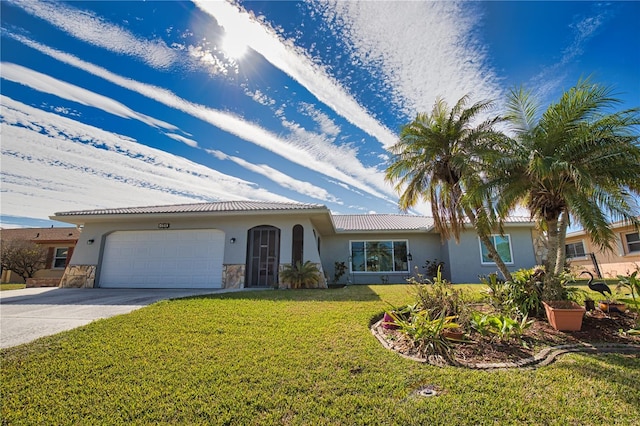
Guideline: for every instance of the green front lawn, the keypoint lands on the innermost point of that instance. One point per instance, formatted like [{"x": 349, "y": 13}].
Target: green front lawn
[
  {"x": 288, "y": 357},
  {"x": 12, "y": 286}
]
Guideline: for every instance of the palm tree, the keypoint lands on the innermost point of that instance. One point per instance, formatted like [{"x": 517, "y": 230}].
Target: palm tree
[
  {"x": 574, "y": 162},
  {"x": 440, "y": 158},
  {"x": 301, "y": 275}
]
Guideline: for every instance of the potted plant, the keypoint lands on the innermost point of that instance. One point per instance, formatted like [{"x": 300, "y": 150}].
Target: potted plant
[
  {"x": 612, "y": 305},
  {"x": 562, "y": 313},
  {"x": 589, "y": 304}
]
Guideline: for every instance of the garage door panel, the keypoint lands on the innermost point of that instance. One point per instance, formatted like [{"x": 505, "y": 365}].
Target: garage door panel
[{"x": 163, "y": 259}]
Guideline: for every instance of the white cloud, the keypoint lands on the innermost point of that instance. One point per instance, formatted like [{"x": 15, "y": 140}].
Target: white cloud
[
  {"x": 295, "y": 63},
  {"x": 327, "y": 125},
  {"x": 87, "y": 27},
  {"x": 210, "y": 60},
  {"x": 182, "y": 139},
  {"x": 553, "y": 76},
  {"x": 282, "y": 179},
  {"x": 421, "y": 49},
  {"x": 304, "y": 148},
  {"x": 52, "y": 163},
  {"x": 259, "y": 97},
  {"x": 50, "y": 85}
]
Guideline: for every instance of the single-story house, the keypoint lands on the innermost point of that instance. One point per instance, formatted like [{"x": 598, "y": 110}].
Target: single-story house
[
  {"x": 241, "y": 244},
  {"x": 583, "y": 254},
  {"x": 59, "y": 243}
]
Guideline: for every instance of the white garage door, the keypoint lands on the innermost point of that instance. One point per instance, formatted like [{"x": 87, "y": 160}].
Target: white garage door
[{"x": 163, "y": 259}]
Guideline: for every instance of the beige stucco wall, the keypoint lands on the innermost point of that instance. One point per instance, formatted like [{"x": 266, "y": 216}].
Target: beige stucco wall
[
  {"x": 46, "y": 273},
  {"x": 611, "y": 263}
]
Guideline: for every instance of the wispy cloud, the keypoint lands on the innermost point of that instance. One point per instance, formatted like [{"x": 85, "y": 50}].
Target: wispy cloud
[
  {"x": 182, "y": 139},
  {"x": 53, "y": 86},
  {"x": 399, "y": 43},
  {"x": 327, "y": 125},
  {"x": 92, "y": 29},
  {"x": 52, "y": 163},
  {"x": 301, "y": 147},
  {"x": 282, "y": 179},
  {"x": 295, "y": 63},
  {"x": 259, "y": 97},
  {"x": 583, "y": 28}
]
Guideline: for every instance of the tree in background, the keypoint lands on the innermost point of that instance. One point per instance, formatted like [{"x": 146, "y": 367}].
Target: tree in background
[{"x": 23, "y": 257}]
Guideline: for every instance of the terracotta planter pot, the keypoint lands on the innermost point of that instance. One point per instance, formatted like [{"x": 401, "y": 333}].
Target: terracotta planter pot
[
  {"x": 607, "y": 306},
  {"x": 453, "y": 334},
  {"x": 564, "y": 315}
]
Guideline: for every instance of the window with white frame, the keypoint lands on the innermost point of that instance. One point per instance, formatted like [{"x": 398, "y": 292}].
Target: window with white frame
[
  {"x": 60, "y": 257},
  {"x": 633, "y": 242},
  {"x": 502, "y": 243},
  {"x": 574, "y": 250},
  {"x": 379, "y": 256}
]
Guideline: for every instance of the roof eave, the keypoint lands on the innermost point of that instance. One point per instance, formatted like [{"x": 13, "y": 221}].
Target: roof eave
[{"x": 81, "y": 219}]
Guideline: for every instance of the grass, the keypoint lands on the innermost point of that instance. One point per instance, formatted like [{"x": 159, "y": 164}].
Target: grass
[
  {"x": 288, "y": 357},
  {"x": 12, "y": 286}
]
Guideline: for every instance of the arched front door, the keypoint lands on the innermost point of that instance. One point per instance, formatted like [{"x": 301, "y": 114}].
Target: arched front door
[{"x": 263, "y": 256}]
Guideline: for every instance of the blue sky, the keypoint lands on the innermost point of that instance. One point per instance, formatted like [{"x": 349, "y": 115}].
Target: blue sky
[{"x": 114, "y": 104}]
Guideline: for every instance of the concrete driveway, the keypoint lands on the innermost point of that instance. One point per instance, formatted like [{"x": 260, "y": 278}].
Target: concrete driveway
[{"x": 28, "y": 314}]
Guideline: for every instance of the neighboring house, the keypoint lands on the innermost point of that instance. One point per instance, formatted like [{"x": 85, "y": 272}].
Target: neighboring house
[
  {"x": 583, "y": 254},
  {"x": 240, "y": 244},
  {"x": 59, "y": 242}
]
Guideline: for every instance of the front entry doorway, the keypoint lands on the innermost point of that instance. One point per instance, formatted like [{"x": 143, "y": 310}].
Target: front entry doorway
[{"x": 263, "y": 256}]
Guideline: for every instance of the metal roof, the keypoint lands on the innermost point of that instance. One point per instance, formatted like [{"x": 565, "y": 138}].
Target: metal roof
[
  {"x": 381, "y": 222},
  {"x": 322, "y": 216},
  {"x": 224, "y": 206}
]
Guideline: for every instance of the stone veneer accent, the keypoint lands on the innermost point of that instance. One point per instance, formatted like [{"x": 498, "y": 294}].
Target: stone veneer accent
[
  {"x": 43, "y": 282},
  {"x": 539, "y": 247},
  {"x": 79, "y": 276},
  {"x": 233, "y": 276}
]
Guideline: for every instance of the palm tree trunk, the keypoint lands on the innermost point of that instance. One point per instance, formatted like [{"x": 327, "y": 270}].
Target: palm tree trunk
[
  {"x": 552, "y": 253},
  {"x": 561, "y": 253},
  {"x": 484, "y": 237}
]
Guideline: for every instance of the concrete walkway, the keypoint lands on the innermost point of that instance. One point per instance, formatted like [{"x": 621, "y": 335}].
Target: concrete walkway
[{"x": 31, "y": 313}]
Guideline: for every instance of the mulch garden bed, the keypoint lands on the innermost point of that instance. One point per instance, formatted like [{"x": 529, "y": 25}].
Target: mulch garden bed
[{"x": 598, "y": 329}]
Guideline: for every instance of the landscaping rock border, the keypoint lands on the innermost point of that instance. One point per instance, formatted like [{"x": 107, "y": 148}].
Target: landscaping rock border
[{"x": 543, "y": 358}]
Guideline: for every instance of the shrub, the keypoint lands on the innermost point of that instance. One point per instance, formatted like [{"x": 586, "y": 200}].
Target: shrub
[
  {"x": 339, "y": 269},
  {"x": 437, "y": 296},
  {"x": 521, "y": 297},
  {"x": 432, "y": 267},
  {"x": 425, "y": 331},
  {"x": 502, "y": 326},
  {"x": 301, "y": 275}
]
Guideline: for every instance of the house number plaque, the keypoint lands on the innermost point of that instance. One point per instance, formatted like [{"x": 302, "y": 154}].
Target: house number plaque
[{"x": 163, "y": 226}]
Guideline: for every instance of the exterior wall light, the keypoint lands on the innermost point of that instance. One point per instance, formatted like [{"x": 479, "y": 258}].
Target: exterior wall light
[
  {"x": 232, "y": 240},
  {"x": 409, "y": 257},
  {"x": 91, "y": 241}
]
